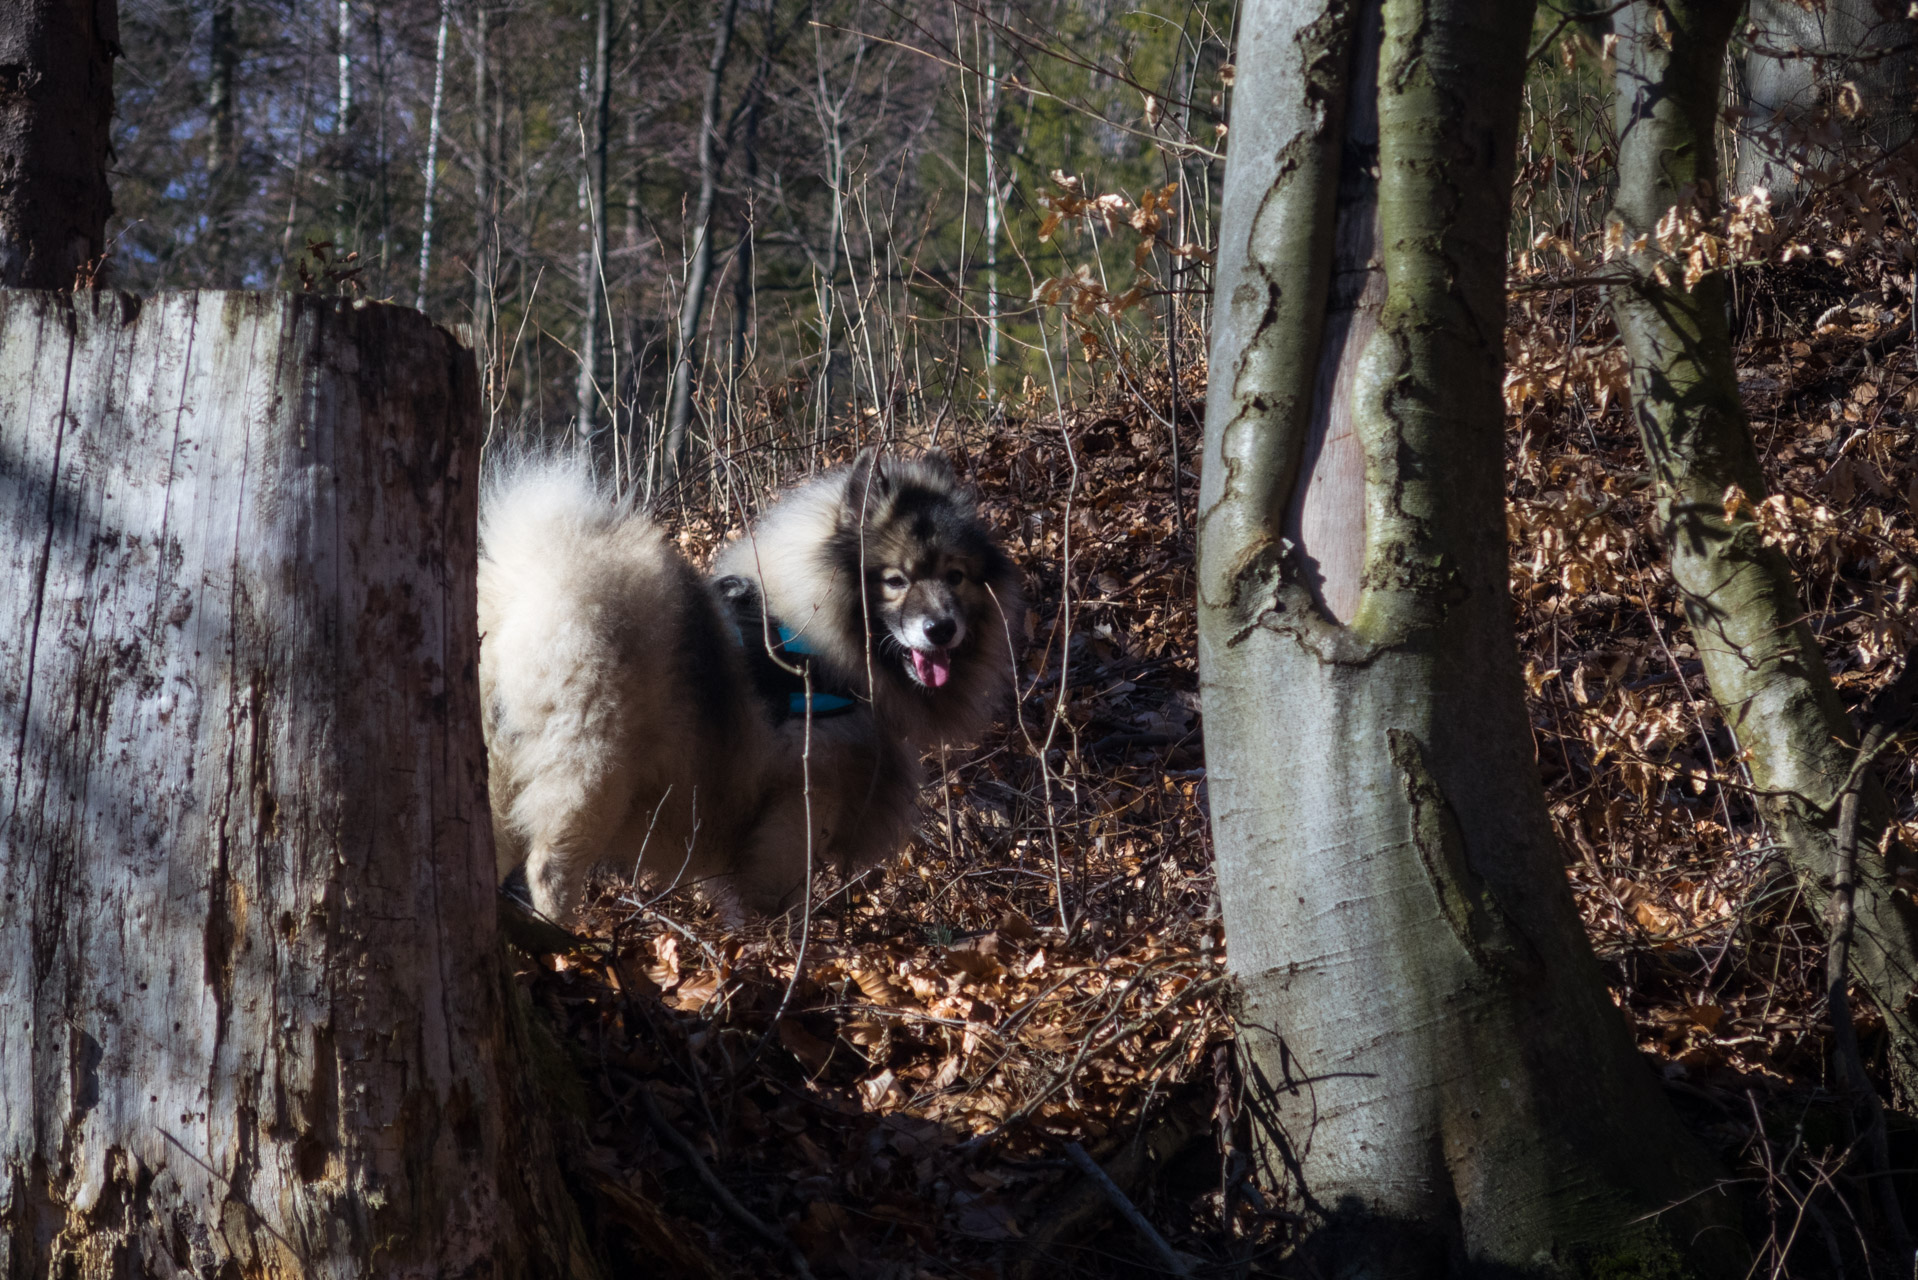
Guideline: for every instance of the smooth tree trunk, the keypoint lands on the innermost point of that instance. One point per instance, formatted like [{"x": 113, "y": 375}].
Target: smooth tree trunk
[
  {"x": 223, "y": 149},
  {"x": 1767, "y": 673},
  {"x": 253, "y": 1014},
  {"x": 699, "y": 261},
  {"x": 485, "y": 255},
  {"x": 989, "y": 135},
  {"x": 344, "y": 108},
  {"x": 1822, "y": 79},
  {"x": 1431, "y": 1049},
  {"x": 592, "y": 256},
  {"x": 745, "y": 273},
  {"x": 432, "y": 174},
  {"x": 56, "y": 99}
]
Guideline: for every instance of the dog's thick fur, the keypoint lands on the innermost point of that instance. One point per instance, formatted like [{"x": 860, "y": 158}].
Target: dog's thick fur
[{"x": 624, "y": 721}]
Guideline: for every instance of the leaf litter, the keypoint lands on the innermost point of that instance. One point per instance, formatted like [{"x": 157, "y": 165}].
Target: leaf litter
[{"x": 1044, "y": 965}]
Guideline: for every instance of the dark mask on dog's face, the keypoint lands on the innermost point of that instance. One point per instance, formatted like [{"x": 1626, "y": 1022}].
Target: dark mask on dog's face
[
  {"x": 927, "y": 614},
  {"x": 926, "y": 557}
]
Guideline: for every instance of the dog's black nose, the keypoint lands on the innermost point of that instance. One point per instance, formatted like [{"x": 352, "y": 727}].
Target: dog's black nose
[{"x": 942, "y": 631}]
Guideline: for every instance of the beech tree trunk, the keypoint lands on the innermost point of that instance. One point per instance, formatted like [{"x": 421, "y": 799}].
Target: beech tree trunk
[
  {"x": 1802, "y": 63},
  {"x": 1435, "y": 1057},
  {"x": 253, "y": 1017},
  {"x": 1766, "y": 670},
  {"x": 56, "y": 98}
]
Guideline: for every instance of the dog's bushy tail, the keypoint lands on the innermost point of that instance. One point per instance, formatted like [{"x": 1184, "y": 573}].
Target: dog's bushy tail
[{"x": 532, "y": 502}]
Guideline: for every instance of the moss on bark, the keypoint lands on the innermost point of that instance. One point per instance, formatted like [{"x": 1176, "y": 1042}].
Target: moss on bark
[
  {"x": 1413, "y": 977},
  {"x": 1767, "y": 673}
]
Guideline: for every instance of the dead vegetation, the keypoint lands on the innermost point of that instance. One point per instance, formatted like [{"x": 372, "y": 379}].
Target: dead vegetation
[
  {"x": 906, "y": 1082},
  {"x": 892, "y": 1085}
]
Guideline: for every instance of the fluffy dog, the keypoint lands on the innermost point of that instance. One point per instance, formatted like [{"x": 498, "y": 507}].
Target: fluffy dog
[{"x": 740, "y": 733}]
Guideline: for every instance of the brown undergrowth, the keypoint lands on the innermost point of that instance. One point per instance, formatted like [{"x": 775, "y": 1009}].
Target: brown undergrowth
[
  {"x": 888, "y": 1087},
  {"x": 1708, "y": 944}
]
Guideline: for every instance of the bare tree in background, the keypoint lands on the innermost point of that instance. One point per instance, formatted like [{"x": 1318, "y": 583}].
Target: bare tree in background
[
  {"x": 699, "y": 264},
  {"x": 485, "y": 231},
  {"x": 223, "y": 142},
  {"x": 828, "y": 138},
  {"x": 56, "y": 98},
  {"x": 433, "y": 153},
  {"x": 592, "y": 186}
]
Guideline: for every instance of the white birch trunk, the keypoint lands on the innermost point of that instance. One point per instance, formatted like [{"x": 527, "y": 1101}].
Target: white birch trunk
[
  {"x": 251, "y": 1014},
  {"x": 346, "y": 68},
  {"x": 992, "y": 201},
  {"x": 432, "y": 157}
]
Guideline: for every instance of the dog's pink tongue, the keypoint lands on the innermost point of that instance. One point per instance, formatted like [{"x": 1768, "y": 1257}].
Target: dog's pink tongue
[{"x": 932, "y": 666}]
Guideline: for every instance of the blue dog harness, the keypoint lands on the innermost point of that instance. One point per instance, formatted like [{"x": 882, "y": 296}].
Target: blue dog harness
[
  {"x": 778, "y": 683},
  {"x": 793, "y": 644}
]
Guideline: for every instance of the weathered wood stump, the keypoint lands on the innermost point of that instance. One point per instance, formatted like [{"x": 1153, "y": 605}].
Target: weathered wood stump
[{"x": 251, "y": 1013}]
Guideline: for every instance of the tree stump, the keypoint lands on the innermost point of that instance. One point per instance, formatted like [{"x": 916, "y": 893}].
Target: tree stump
[{"x": 252, "y": 1017}]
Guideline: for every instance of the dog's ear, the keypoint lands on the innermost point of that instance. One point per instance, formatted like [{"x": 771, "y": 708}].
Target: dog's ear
[
  {"x": 867, "y": 484},
  {"x": 936, "y": 461}
]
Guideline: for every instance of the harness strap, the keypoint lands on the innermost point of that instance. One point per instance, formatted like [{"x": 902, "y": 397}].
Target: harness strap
[
  {"x": 782, "y": 689},
  {"x": 823, "y": 704}
]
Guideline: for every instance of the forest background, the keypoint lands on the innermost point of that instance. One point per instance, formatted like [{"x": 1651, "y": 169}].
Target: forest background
[
  {"x": 869, "y": 181},
  {"x": 790, "y": 229}
]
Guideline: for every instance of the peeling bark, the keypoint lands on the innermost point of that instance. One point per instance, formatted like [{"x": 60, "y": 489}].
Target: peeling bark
[
  {"x": 1766, "y": 670},
  {"x": 1413, "y": 977},
  {"x": 253, "y": 1019}
]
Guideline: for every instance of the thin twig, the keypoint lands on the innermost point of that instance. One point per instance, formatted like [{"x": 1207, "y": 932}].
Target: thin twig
[
  {"x": 1090, "y": 1048},
  {"x": 1539, "y": 49},
  {"x": 730, "y": 1203},
  {"x": 1127, "y": 1210}
]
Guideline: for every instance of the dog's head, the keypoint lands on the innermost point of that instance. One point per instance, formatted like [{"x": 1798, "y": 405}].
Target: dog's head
[{"x": 937, "y": 589}]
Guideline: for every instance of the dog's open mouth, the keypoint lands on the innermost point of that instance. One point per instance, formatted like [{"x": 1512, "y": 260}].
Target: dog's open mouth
[{"x": 931, "y": 667}]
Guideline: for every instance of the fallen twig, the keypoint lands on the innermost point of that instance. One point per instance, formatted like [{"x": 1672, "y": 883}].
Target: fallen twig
[
  {"x": 1129, "y": 1211},
  {"x": 534, "y": 934},
  {"x": 730, "y": 1203}
]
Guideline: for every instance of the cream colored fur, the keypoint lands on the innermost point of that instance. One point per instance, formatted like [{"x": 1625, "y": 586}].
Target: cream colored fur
[
  {"x": 600, "y": 745},
  {"x": 622, "y": 727}
]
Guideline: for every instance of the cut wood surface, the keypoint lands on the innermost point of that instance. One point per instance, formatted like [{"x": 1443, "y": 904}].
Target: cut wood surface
[{"x": 250, "y": 1007}]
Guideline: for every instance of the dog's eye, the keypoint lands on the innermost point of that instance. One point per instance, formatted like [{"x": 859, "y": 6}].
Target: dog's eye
[
  {"x": 895, "y": 581},
  {"x": 955, "y": 576}
]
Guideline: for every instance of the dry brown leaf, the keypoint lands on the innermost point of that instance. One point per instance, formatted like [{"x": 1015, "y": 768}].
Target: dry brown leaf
[
  {"x": 978, "y": 959},
  {"x": 695, "y": 993},
  {"x": 862, "y": 1031},
  {"x": 1707, "y": 1016},
  {"x": 881, "y": 1092},
  {"x": 803, "y": 1044},
  {"x": 878, "y": 987},
  {"x": 1655, "y": 919}
]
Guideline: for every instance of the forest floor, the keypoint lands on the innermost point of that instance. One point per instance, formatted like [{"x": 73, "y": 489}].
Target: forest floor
[{"x": 899, "y": 1086}]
